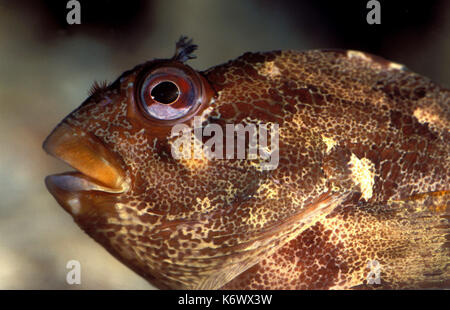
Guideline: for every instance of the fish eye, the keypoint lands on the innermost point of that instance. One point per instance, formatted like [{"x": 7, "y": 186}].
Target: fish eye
[{"x": 169, "y": 92}]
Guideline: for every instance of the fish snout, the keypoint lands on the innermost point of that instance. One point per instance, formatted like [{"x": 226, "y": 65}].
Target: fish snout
[{"x": 98, "y": 170}]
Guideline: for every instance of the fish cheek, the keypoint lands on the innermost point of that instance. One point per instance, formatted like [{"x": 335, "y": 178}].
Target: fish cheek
[{"x": 116, "y": 223}]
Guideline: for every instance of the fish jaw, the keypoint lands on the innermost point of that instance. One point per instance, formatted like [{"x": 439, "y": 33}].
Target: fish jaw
[{"x": 98, "y": 174}]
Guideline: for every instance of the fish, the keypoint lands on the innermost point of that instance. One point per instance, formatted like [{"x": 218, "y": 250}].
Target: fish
[{"x": 353, "y": 194}]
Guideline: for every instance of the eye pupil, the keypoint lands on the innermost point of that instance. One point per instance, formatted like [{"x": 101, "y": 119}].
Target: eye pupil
[{"x": 165, "y": 92}]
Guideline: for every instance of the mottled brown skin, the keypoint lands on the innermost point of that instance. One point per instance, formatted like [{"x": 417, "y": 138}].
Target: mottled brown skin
[{"x": 308, "y": 224}]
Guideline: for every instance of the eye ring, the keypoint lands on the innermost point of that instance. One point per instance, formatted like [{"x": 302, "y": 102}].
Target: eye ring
[{"x": 182, "y": 94}]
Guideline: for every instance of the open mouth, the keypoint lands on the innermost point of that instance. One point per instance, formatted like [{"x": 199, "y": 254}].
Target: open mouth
[{"x": 97, "y": 169}]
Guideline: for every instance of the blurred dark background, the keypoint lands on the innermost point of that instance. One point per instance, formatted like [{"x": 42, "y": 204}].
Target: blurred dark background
[{"x": 47, "y": 67}]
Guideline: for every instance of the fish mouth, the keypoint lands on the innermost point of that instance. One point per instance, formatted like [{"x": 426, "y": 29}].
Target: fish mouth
[{"x": 98, "y": 171}]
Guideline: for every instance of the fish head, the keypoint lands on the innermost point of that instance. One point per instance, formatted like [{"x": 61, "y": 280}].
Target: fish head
[{"x": 177, "y": 221}]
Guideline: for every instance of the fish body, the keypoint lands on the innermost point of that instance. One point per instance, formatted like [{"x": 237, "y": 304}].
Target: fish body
[{"x": 358, "y": 196}]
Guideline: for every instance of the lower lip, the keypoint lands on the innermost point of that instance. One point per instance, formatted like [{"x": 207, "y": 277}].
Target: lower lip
[
  {"x": 79, "y": 195},
  {"x": 76, "y": 182}
]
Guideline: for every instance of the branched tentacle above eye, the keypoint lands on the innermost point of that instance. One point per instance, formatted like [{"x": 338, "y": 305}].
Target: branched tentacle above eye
[{"x": 184, "y": 49}]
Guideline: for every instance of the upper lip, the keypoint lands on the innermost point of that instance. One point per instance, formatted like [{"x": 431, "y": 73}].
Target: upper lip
[{"x": 98, "y": 168}]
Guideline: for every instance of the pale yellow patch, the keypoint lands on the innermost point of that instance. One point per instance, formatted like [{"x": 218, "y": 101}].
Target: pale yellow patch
[
  {"x": 113, "y": 220},
  {"x": 121, "y": 212},
  {"x": 396, "y": 66},
  {"x": 358, "y": 54},
  {"x": 329, "y": 142},
  {"x": 427, "y": 116},
  {"x": 269, "y": 69},
  {"x": 361, "y": 55},
  {"x": 363, "y": 175}
]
